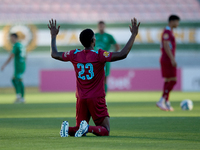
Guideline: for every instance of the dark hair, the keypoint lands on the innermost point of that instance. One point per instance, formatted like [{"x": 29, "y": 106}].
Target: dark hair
[
  {"x": 86, "y": 37},
  {"x": 101, "y": 22},
  {"x": 173, "y": 17},
  {"x": 14, "y": 35}
]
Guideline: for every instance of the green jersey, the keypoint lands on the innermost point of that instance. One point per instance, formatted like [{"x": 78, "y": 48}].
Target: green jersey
[
  {"x": 20, "y": 57},
  {"x": 104, "y": 41}
]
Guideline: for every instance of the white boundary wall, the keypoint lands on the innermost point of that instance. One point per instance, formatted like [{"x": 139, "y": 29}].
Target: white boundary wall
[{"x": 191, "y": 79}]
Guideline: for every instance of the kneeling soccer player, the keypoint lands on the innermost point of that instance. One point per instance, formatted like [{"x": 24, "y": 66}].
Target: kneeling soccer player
[{"x": 89, "y": 67}]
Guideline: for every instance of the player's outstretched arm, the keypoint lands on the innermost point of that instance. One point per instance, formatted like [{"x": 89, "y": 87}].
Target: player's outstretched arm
[
  {"x": 54, "y": 32},
  {"x": 7, "y": 61},
  {"x": 124, "y": 52}
]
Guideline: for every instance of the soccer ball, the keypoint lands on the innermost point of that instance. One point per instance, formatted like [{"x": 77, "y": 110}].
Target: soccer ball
[{"x": 186, "y": 104}]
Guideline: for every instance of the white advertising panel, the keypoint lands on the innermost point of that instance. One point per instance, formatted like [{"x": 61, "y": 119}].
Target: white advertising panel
[
  {"x": 32, "y": 37},
  {"x": 191, "y": 79}
]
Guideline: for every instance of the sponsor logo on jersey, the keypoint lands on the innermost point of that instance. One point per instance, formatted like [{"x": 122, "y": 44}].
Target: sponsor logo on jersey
[
  {"x": 26, "y": 33},
  {"x": 166, "y": 36},
  {"x": 106, "y": 54}
]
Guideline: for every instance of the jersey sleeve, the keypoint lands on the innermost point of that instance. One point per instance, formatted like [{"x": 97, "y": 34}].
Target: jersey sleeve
[
  {"x": 104, "y": 56},
  {"x": 67, "y": 56},
  {"x": 166, "y": 36},
  {"x": 112, "y": 40}
]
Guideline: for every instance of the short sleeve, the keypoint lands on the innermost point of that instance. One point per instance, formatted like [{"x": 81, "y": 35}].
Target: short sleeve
[
  {"x": 112, "y": 40},
  {"x": 166, "y": 36},
  {"x": 67, "y": 56},
  {"x": 104, "y": 56}
]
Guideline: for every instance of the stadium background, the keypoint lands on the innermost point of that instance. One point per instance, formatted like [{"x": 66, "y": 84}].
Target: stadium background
[{"x": 30, "y": 20}]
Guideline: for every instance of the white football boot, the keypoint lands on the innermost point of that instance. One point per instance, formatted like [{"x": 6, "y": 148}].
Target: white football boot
[
  {"x": 161, "y": 104},
  {"x": 83, "y": 129},
  {"x": 169, "y": 107},
  {"x": 64, "y": 129},
  {"x": 19, "y": 100}
]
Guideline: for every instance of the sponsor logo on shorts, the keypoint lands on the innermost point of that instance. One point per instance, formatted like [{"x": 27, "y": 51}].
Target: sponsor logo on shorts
[
  {"x": 66, "y": 53},
  {"x": 106, "y": 54}
]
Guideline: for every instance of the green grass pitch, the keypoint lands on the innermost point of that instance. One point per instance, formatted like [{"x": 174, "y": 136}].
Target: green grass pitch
[{"x": 135, "y": 123}]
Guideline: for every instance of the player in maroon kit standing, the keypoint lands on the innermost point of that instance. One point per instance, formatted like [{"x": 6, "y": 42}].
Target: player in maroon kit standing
[
  {"x": 89, "y": 67},
  {"x": 168, "y": 62}
]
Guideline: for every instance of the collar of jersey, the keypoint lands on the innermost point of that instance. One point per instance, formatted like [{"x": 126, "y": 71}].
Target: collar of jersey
[
  {"x": 91, "y": 50},
  {"x": 168, "y": 28}
]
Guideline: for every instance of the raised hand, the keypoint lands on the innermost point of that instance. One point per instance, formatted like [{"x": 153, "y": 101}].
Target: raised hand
[
  {"x": 52, "y": 27},
  {"x": 134, "y": 28}
]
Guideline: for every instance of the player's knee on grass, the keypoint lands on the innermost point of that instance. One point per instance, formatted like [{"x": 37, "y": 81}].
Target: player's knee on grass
[
  {"x": 106, "y": 124},
  {"x": 98, "y": 130}
]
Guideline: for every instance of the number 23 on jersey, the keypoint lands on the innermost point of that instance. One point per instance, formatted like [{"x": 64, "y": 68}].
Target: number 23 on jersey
[{"x": 84, "y": 69}]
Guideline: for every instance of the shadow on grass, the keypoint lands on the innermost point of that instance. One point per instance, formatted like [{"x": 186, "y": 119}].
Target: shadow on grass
[{"x": 158, "y": 138}]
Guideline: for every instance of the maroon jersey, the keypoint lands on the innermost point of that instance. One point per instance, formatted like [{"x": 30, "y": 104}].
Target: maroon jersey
[
  {"x": 89, "y": 68},
  {"x": 167, "y": 35}
]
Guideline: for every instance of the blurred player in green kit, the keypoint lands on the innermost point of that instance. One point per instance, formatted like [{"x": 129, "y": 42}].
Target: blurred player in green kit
[
  {"x": 104, "y": 42},
  {"x": 19, "y": 55}
]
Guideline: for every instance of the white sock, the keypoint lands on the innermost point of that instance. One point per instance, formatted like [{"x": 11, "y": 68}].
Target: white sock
[{"x": 18, "y": 96}]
